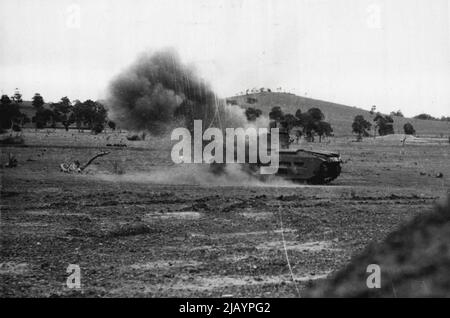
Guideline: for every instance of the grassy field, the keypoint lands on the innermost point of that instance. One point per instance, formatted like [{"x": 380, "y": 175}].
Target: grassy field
[
  {"x": 139, "y": 226},
  {"x": 339, "y": 116}
]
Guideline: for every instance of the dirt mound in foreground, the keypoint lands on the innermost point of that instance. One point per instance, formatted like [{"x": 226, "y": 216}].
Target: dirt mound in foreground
[{"x": 414, "y": 262}]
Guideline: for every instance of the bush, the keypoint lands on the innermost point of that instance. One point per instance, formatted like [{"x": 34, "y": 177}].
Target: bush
[
  {"x": 98, "y": 128},
  {"x": 409, "y": 129},
  {"x": 112, "y": 125},
  {"x": 361, "y": 127},
  {"x": 385, "y": 124}
]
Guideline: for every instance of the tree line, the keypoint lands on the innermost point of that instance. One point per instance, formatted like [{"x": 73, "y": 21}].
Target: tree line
[
  {"x": 383, "y": 123},
  {"x": 308, "y": 124},
  {"x": 93, "y": 115},
  {"x": 89, "y": 114},
  {"x": 312, "y": 123}
]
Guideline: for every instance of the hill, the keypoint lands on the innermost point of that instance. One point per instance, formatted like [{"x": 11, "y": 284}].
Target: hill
[{"x": 339, "y": 116}]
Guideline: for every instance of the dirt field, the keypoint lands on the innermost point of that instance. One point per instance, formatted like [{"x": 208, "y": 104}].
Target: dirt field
[{"x": 139, "y": 226}]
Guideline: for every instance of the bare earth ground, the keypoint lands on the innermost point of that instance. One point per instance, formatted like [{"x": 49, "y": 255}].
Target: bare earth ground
[{"x": 138, "y": 226}]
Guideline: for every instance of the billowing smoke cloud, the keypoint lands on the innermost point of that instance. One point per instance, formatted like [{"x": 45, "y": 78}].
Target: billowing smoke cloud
[{"x": 158, "y": 92}]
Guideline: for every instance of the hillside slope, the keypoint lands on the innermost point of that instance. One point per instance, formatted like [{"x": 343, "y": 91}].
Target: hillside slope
[{"x": 340, "y": 116}]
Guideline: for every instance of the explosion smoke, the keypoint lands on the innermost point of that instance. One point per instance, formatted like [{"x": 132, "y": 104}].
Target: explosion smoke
[{"x": 158, "y": 92}]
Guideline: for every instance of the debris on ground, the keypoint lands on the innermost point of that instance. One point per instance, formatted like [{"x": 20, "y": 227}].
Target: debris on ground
[
  {"x": 76, "y": 166},
  {"x": 116, "y": 145},
  {"x": 136, "y": 137},
  {"x": 12, "y": 161}
]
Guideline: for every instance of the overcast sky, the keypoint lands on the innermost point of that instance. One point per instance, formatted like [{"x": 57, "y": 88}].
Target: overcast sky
[{"x": 394, "y": 53}]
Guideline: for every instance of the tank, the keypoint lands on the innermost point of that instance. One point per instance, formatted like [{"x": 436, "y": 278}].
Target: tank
[
  {"x": 302, "y": 166},
  {"x": 296, "y": 165},
  {"x": 307, "y": 166}
]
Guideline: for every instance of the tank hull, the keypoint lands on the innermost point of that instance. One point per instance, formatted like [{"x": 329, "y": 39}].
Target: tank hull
[
  {"x": 312, "y": 167},
  {"x": 299, "y": 165}
]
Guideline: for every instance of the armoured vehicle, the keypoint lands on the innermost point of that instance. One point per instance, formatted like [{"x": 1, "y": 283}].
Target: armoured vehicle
[
  {"x": 307, "y": 166},
  {"x": 296, "y": 165},
  {"x": 314, "y": 167},
  {"x": 302, "y": 166}
]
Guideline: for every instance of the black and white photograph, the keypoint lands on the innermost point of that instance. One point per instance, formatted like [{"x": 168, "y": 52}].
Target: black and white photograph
[{"x": 204, "y": 150}]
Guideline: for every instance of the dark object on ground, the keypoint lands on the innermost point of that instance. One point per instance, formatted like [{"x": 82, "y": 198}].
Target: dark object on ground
[
  {"x": 116, "y": 145},
  {"x": 77, "y": 167},
  {"x": 315, "y": 167},
  {"x": 306, "y": 166},
  {"x": 413, "y": 260},
  {"x": 297, "y": 165},
  {"x": 12, "y": 161},
  {"x": 133, "y": 138},
  {"x": 439, "y": 175},
  {"x": 12, "y": 140},
  {"x": 136, "y": 137}
]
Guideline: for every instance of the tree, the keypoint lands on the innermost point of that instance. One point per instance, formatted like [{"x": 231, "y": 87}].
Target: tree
[
  {"x": 43, "y": 117},
  {"x": 288, "y": 122},
  {"x": 10, "y": 115},
  {"x": 63, "y": 112},
  {"x": 398, "y": 113},
  {"x": 312, "y": 122},
  {"x": 361, "y": 127},
  {"x": 91, "y": 114},
  {"x": 373, "y": 109},
  {"x": 99, "y": 116},
  {"x": 323, "y": 128},
  {"x": 409, "y": 129},
  {"x": 112, "y": 125},
  {"x": 276, "y": 114},
  {"x": 252, "y": 113},
  {"x": 385, "y": 124},
  {"x": 79, "y": 113},
  {"x": 316, "y": 114},
  {"x": 38, "y": 101},
  {"x": 5, "y": 100},
  {"x": 7, "y": 113},
  {"x": 17, "y": 97}
]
